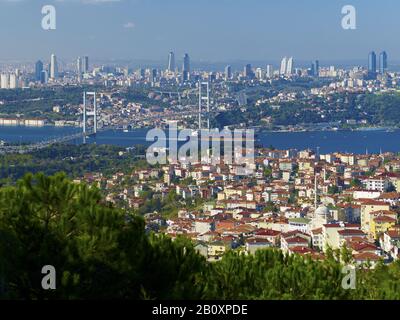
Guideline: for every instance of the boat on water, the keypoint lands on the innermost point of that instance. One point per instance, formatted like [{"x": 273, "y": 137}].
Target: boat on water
[{"x": 369, "y": 129}]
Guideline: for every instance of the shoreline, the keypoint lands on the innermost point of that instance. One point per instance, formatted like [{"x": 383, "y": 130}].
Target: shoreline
[{"x": 257, "y": 129}]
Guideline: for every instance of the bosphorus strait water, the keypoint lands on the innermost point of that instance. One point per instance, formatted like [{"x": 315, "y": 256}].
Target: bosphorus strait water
[{"x": 372, "y": 141}]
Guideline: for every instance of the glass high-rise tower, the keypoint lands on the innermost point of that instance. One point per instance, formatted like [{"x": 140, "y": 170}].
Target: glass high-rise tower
[
  {"x": 248, "y": 71},
  {"x": 53, "y": 67},
  {"x": 315, "y": 68},
  {"x": 289, "y": 66},
  {"x": 38, "y": 70},
  {"x": 282, "y": 69},
  {"x": 186, "y": 67},
  {"x": 171, "y": 62},
  {"x": 372, "y": 65},
  {"x": 79, "y": 66},
  {"x": 383, "y": 62},
  {"x": 85, "y": 64},
  {"x": 228, "y": 72}
]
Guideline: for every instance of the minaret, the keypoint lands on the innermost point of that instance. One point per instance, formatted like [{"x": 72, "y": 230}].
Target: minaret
[{"x": 315, "y": 191}]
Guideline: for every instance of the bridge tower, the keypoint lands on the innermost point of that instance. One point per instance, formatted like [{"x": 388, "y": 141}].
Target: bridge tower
[
  {"x": 87, "y": 113},
  {"x": 204, "y": 103}
]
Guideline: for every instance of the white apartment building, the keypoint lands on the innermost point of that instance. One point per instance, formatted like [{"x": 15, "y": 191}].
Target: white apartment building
[{"x": 376, "y": 184}]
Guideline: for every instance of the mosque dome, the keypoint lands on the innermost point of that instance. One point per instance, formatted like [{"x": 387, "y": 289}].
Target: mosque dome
[{"x": 322, "y": 211}]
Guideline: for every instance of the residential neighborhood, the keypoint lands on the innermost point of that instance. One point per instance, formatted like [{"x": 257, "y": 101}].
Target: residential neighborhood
[{"x": 298, "y": 201}]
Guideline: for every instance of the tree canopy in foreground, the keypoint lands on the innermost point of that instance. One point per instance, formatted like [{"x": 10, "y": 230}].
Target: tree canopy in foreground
[{"x": 101, "y": 252}]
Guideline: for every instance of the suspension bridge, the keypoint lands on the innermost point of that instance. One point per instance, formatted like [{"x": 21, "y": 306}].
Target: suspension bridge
[{"x": 204, "y": 110}]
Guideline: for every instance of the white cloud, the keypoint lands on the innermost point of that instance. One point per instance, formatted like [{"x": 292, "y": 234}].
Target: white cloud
[
  {"x": 129, "y": 25},
  {"x": 87, "y": 1}
]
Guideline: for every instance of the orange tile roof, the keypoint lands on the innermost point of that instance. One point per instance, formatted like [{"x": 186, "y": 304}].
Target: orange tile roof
[{"x": 364, "y": 256}]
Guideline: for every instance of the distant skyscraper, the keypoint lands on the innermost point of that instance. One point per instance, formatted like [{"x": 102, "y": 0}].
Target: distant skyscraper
[
  {"x": 171, "y": 62},
  {"x": 212, "y": 77},
  {"x": 228, "y": 72},
  {"x": 153, "y": 75},
  {"x": 315, "y": 68},
  {"x": 140, "y": 73},
  {"x": 248, "y": 72},
  {"x": 38, "y": 70},
  {"x": 53, "y": 67},
  {"x": 270, "y": 71},
  {"x": 282, "y": 70},
  {"x": 259, "y": 74},
  {"x": 5, "y": 81},
  {"x": 13, "y": 81},
  {"x": 44, "y": 77},
  {"x": 186, "y": 67},
  {"x": 85, "y": 64},
  {"x": 79, "y": 66},
  {"x": 383, "y": 62},
  {"x": 289, "y": 66},
  {"x": 372, "y": 65}
]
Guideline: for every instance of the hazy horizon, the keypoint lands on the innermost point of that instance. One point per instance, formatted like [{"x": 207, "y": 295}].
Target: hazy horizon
[
  {"x": 237, "y": 65},
  {"x": 209, "y": 30}
]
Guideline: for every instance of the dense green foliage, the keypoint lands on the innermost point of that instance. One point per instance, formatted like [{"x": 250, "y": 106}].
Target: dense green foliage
[
  {"x": 103, "y": 252},
  {"x": 98, "y": 251},
  {"x": 39, "y": 102},
  {"x": 375, "y": 109},
  {"x": 75, "y": 160}
]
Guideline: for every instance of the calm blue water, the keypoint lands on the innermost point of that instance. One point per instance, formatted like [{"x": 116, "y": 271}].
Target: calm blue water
[
  {"x": 331, "y": 141},
  {"x": 328, "y": 141}
]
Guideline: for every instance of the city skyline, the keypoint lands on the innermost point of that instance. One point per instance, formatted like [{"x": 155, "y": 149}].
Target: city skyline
[
  {"x": 380, "y": 61},
  {"x": 138, "y": 29},
  {"x": 43, "y": 72}
]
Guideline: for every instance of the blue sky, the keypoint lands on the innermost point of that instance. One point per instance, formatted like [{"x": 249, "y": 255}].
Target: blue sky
[{"x": 209, "y": 30}]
